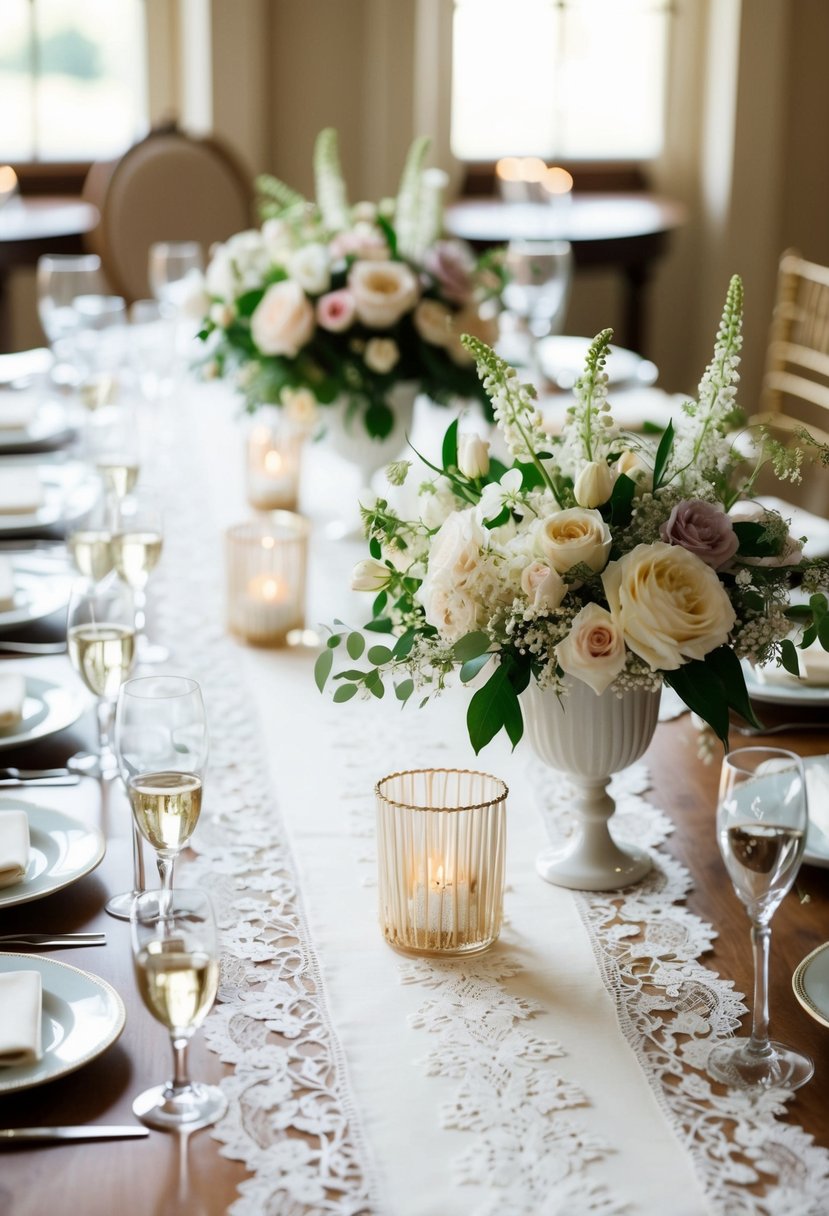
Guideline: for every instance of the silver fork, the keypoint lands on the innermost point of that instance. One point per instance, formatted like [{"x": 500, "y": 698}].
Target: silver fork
[
  {"x": 52, "y": 940},
  {"x": 752, "y": 732}
]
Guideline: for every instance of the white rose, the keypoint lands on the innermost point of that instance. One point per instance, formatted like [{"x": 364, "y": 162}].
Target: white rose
[
  {"x": 543, "y": 586},
  {"x": 249, "y": 258},
  {"x": 433, "y": 321},
  {"x": 219, "y": 278},
  {"x": 310, "y": 266},
  {"x": 572, "y": 537},
  {"x": 381, "y": 355},
  {"x": 473, "y": 455},
  {"x": 669, "y": 604},
  {"x": 452, "y": 612},
  {"x": 369, "y": 575},
  {"x": 594, "y": 649},
  {"x": 278, "y": 239},
  {"x": 192, "y": 298},
  {"x": 454, "y": 560},
  {"x": 594, "y": 484},
  {"x": 383, "y": 292},
  {"x": 283, "y": 320}
]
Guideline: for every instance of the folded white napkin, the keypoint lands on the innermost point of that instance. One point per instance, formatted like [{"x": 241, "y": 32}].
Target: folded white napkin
[
  {"x": 6, "y": 584},
  {"x": 14, "y": 847},
  {"x": 17, "y": 410},
  {"x": 21, "y": 491},
  {"x": 12, "y": 696},
  {"x": 20, "y": 1005},
  {"x": 814, "y": 669}
]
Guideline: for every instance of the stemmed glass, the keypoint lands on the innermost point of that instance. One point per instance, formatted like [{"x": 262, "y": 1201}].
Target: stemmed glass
[
  {"x": 537, "y": 290},
  {"x": 114, "y": 449},
  {"x": 172, "y": 268},
  {"x": 101, "y": 643},
  {"x": 101, "y": 346},
  {"x": 137, "y": 540},
  {"x": 61, "y": 278},
  {"x": 762, "y": 820},
  {"x": 176, "y": 958},
  {"x": 161, "y": 743}
]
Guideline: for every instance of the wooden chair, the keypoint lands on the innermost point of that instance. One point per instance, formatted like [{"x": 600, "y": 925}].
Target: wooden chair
[
  {"x": 795, "y": 388},
  {"x": 168, "y": 187}
]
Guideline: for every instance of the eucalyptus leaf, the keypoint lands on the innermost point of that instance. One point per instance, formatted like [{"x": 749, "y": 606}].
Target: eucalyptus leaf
[
  {"x": 322, "y": 668},
  {"x": 381, "y": 625},
  {"x": 378, "y": 655},
  {"x": 374, "y": 684},
  {"x": 472, "y": 666},
  {"x": 404, "y": 644},
  {"x": 334, "y": 640},
  {"x": 374, "y": 548},
  {"x": 823, "y": 632},
  {"x": 345, "y": 692},
  {"x": 355, "y": 645},
  {"x": 404, "y": 690},
  {"x": 788, "y": 657},
  {"x": 471, "y": 645}
]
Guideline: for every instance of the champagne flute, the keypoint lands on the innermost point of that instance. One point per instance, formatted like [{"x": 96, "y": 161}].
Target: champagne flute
[
  {"x": 101, "y": 644},
  {"x": 761, "y": 829},
  {"x": 137, "y": 541},
  {"x": 161, "y": 743},
  {"x": 176, "y": 958},
  {"x": 90, "y": 543},
  {"x": 114, "y": 450}
]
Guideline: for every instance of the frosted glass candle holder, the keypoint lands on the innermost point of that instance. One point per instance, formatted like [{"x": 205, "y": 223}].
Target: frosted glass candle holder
[
  {"x": 441, "y": 841},
  {"x": 273, "y": 460},
  {"x": 266, "y": 567}
]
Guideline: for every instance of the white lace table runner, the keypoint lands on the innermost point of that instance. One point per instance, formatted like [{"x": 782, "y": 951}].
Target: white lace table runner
[{"x": 520, "y": 1121}]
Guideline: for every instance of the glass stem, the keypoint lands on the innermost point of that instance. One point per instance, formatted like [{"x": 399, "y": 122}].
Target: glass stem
[
  {"x": 140, "y": 599},
  {"x": 760, "y": 942},
  {"x": 165, "y": 870},
  {"x": 181, "y": 1078},
  {"x": 139, "y": 878},
  {"x": 103, "y": 711}
]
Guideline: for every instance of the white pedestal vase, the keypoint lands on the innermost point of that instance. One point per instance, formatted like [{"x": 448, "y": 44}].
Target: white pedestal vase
[
  {"x": 345, "y": 433},
  {"x": 589, "y": 738}
]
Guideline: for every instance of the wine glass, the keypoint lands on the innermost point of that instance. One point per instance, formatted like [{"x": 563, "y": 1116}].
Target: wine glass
[
  {"x": 101, "y": 346},
  {"x": 537, "y": 288},
  {"x": 161, "y": 743},
  {"x": 114, "y": 450},
  {"x": 90, "y": 543},
  {"x": 761, "y": 830},
  {"x": 61, "y": 278},
  {"x": 152, "y": 349},
  {"x": 176, "y": 957},
  {"x": 137, "y": 540},
  {"x": 172, "y": 267},
  {"x": 101, "y": 643}
]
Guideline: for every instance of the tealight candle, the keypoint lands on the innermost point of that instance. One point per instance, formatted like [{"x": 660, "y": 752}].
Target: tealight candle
[
  {"x": 266, "y": 564},
  {"x": 441, "y": 836},
  {"x": 273, "y": 464}
]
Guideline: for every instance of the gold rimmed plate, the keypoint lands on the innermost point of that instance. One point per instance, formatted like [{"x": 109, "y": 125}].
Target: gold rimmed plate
[{"x": 811, "y": 984}]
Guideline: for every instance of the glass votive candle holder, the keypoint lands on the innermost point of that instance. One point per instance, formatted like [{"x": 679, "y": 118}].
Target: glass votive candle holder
[
  {"x": 273, "y": 460},
  {"x": 266, "y": 568},
  {"x": 441, "y": 844}
]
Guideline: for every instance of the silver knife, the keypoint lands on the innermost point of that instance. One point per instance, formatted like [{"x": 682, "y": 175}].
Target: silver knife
[
  {"x": 47, "y": 1135},
  {"x": 9, "y": 783}
]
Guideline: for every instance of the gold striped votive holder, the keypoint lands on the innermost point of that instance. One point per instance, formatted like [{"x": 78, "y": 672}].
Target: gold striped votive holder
[
  {"x": 266, "y": 571},
  {"x": 441, "y": 843}
]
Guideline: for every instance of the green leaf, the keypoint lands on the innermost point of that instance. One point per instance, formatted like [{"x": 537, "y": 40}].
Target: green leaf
[
  {"x": 788, "y": 657},
  {"x": 322, "y": 667},
  {"x": 378, "y": 655},
  {"x": 651, "y": 428},
  {"x": 404, "y": 644},
  {"x": 350, "y": 673},
  {"x": 809, "y": 637},
  {"x": 345, "y": 692},
  {"x": 513, "y": 718},
  {"x": 449, "y": 451},
  {"x": 724, "y": 662},
  {"x": 486, "y": 712},
  {"x": 621, "y": 501},
  {"x": 818, "y": 605},
  {"x": 823, "y": 632},
  {"x": 379, "y": 420},
  {"x": 381, "y": 625},
  {"x": 389, "y": 233},
  {"x": 702, "y": 691},
  {"x": 246, "y": 304},
  {"x": 753, "y": 541},
  {"x": 379, "y": 604},
  {"x": 531, "y": 478},
  {"x": 334, "y": 640},
  {"x": 471, "y": 645},
  {"x": 374, "y": 548},
  {"x": 404, "y": 690},
  {"x": 497, "y": 469},
  {"x": 472, "y": 666},
  {"x": 795, "y": 612},
  {"x": 519, "y": 676},
  {"x": 374, "y": 684},
  {"x": 663, "y": 453},
  {"x": 503, "y": 517},
  {"x": 355, "y": 645}
]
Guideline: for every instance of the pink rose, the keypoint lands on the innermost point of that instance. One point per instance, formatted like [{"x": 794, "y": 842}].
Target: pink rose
[
  {"x": 336, "y": 310},
  {"x": 452, "y": 266},
  {"x": 704, "y": 529},
  {"x": 594, "y": 649},
  {"x": 283, "y": 320}
]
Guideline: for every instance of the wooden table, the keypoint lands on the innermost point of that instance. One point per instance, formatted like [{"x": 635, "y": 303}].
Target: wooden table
[
  {"x": 30, "y": 227},
  {"x": 144, "y": 1176},
  {"x": 625, "y": 232}
]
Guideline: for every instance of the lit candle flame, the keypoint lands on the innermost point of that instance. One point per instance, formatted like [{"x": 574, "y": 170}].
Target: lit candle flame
[{"x": 273, "y": 463}]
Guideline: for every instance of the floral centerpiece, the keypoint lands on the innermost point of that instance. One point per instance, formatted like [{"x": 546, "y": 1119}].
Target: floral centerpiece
[
  {"x": 615, "y": 559},
  {"x": 341, "y": 301}
]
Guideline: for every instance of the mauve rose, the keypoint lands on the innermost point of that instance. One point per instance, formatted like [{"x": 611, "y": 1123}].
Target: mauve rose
[
  {"x": 453, "y": 266},
  {"x": 704, "y": 529}
]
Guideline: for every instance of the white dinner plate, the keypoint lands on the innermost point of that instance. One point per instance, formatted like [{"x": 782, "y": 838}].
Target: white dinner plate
[
  {"x": 47, "y": 708},
  {"x": 39, "y": 590},
  {"x": 82, "y": 1016},
  {"x": 784, "y": 690},
  {"x": 817, "y": 788},
  {"x": 49, "y": 428},
  {"x": 69, "y": 491},
  {"x": 61, "y": 850},
  {"x": 562, "y": 360},
  {"x": 811, "y": 984}
]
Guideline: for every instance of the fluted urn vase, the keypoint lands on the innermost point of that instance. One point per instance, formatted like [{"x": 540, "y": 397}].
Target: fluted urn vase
[{"x": 589, "y": 738}]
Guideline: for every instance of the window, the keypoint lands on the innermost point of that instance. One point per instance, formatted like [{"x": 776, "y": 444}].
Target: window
[
  {"x": 72, "y": 78},
  {"x": 560, "y": 79}
]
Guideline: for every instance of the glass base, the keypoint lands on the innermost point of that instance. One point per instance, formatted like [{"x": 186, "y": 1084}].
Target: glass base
[
  {"x": 87, "y": 764},
  {"x": 191, "y": 1108},
  {"x": 738, "y": 1067},
  {"x": 120, "y": 906}
]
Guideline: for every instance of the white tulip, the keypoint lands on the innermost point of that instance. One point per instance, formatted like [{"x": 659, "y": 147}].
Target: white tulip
[
  {"x": 473, "y": 456},
  {"x": 369, "y": 575},
  {"x": 594, "y": 484}
]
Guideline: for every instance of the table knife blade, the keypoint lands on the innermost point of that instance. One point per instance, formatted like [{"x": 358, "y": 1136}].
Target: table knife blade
[{"x": 48, "y": 1135}]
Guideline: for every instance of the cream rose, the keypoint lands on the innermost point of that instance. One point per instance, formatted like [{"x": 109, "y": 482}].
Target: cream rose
[
  {"x": 470, "y": 321},
  {"x": 283, "y": 320},
  {"x": 594, "y": 649},
  {"x": 453, "y": 613},
  {"x": 454, "y": 560},
  {"x": 543, "y": 586},
  {"x": 670, "y": 606},
  {"x": 381, "y": 355},
  {"x": 383, "y": 292},
  {"x": 574, "y": 537},
  {"x": 433, "y": 321},
  {"x": 594, "y": 484}
]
